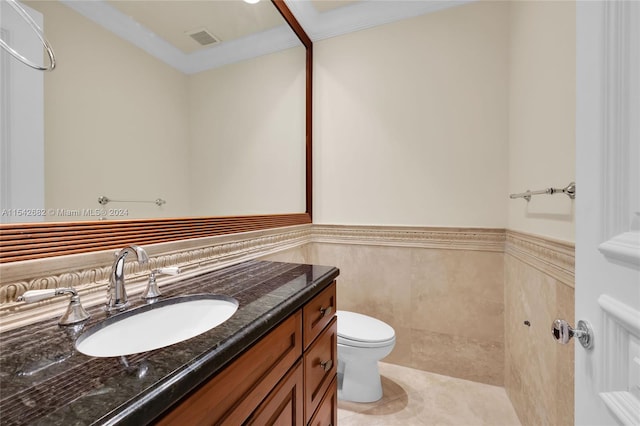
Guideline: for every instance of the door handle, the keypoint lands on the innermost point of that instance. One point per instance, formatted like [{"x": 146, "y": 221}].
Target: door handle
[{"x": 563, "y": 332}]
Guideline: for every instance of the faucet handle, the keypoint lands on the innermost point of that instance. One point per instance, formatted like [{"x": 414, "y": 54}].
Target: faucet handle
[
  {"x": 75, "y": 313},
  {"x": 33, "y": 296},
  {"x": 169, "y": 270},
  {"x": 152, "y": 291}
]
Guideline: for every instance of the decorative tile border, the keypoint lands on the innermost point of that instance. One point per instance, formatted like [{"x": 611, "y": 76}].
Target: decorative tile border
[
  {"x": 478, "y": 239},
  {"x": 89, "y": 273},
  {"x": 554, "y": 258}
]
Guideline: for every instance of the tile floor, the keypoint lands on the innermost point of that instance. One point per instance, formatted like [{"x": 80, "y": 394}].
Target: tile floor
[{"x": 415, "y": 397}]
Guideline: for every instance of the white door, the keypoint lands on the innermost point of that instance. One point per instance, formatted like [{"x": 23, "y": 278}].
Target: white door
[
  {"x": 21, "y": 120},
  {"x": 607, "y": 376}
]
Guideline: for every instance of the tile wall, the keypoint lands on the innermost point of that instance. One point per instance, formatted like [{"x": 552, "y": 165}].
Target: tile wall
[
  {"x": 459, "y": 308},
  {"x": 457, "y": 297},
  {"x": 446, "y": 306},
  {"x": 539, "y": 288},
  {"x": 441, "y": 289}
]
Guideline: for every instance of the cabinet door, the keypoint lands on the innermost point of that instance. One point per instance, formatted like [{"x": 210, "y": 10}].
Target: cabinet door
[
  {"x": 327, "y": 412},
  {"x": 231, "y": 396},
  {"x": 284, "y": 405},
  {"x": 320, "y": 366},
  {"x": 317, "y": 313}
]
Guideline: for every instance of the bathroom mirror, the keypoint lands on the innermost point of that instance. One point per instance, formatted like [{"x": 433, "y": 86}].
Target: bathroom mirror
[{"x": 183, "y": 144}]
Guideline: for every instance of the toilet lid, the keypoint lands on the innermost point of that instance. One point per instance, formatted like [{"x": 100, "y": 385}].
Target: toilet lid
[{"x": 361, "y": 328}]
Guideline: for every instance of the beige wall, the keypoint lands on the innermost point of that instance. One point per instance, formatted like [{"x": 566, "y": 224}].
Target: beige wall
[
  {"x": 538, "y": 372},
  {"x": 410, "y": 128},
  {"x": 542, "y": 115},
  {"x": 496, "y": 82},
  {"x": 434, "y": 120},
  {"x": 410, "y": 121},
  {"x": 115, "y": 121},
  {"x": 123, "y": 124},
  {"x": 247, "y": 132}
]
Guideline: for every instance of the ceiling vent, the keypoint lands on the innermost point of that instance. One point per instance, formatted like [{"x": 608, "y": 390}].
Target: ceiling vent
[{"x": 203, "y": 37}]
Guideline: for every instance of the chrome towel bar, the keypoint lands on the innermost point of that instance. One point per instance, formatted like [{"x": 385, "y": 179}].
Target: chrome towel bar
[
  {"x": 105, "y": 200},
  {"x": 569, "y": 190}
]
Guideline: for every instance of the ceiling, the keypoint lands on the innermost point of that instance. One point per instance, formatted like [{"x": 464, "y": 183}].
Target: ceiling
[
  {"x": 226, "y": 20},
  {"x": 326, "y": 5},
  {"x": 323, "y": 19},
  {"x": 245, "y": 31}
]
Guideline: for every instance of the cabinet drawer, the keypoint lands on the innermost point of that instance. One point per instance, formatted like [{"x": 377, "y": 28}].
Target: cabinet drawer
[
  {"x": 284, "y": 404},
  {"x": 317, "y": 313},
  {"x": 327, "y": 412},
  {"x": 232, "y": 395},
  {"x": 320, "y": 366}
]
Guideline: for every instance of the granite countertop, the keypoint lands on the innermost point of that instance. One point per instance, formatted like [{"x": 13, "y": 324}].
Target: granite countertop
[{"x": 45, "y": 381}]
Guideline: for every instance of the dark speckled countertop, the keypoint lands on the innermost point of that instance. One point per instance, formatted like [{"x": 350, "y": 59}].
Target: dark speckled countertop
[{"x": 44, "y": 381}]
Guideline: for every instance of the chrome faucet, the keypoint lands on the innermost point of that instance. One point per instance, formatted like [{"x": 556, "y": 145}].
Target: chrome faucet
[
  {"x": 75, "y": 312},
  {"x": 117, "y": 295}
]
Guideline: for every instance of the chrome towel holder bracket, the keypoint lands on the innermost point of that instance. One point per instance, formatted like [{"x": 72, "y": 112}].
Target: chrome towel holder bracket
[{"x": 569, "y": 191}]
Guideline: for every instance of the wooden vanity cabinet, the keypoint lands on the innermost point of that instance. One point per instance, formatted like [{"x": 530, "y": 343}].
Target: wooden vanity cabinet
[
  {"x": 320, "y": 367},
  {"x": 287, "y": 378},
  {"x": 327, "y": 412},
  {"x": 284, "y": 405},
  {"x": 317, "y": 314}
]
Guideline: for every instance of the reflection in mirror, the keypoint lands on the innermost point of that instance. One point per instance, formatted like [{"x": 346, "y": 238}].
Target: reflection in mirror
[{"x": 138, "y": 110}]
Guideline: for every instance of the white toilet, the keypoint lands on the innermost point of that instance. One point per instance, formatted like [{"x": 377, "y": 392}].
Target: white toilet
[{"x": 362, "y": 342}]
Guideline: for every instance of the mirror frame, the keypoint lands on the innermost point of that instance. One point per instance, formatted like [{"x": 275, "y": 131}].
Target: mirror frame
[{"x": 29, "y": 241}]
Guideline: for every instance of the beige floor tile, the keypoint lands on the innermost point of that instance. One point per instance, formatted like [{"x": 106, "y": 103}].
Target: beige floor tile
[{"x": 415, "y": 397}]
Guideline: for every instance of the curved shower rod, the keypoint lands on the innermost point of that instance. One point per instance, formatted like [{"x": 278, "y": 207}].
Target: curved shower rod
[{"x": 23, "y": 13}]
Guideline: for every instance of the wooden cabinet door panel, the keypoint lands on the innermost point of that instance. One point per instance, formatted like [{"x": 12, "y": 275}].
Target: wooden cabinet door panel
[
  {"x": 284, "y": 406},
  {"x": 320, "y": 366},
  {"x": 232, "y": 395},
  {"x": 317, "y": 313},
  {"x": 327, "y": 412}
]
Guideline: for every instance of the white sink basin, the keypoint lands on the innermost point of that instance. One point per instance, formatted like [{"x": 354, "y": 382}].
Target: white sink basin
[{"x": 157, "y": 325}]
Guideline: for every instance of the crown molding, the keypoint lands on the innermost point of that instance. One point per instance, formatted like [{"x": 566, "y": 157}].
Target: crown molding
[
  {"x": 227, "y": 52},
  {"x": 361, "y": 15},
  {"x": 318, "y": 26}
]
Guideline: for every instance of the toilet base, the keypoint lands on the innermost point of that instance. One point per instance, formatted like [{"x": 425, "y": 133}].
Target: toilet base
[{"x": 359, "y": 381}]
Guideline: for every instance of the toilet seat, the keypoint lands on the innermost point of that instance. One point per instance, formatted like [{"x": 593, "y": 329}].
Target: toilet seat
[
  {"x": 362, "y": 331},
  {"x": 359, "y": 344}
]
